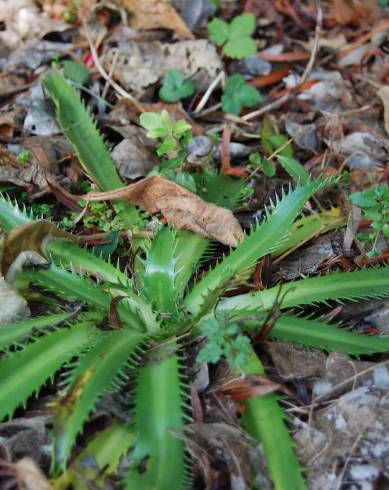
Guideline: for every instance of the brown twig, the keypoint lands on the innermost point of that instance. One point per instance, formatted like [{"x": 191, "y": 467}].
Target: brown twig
[
  {"x": 289, "y": 95},
  {"x": 120, "y": 90}
]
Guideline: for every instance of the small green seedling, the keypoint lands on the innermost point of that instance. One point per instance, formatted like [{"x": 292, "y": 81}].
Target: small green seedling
[
  {"x": 257, "y": 162},
  {"x": 71, "y": 15},
  {"x": 174, "y": 135},
  {"x": 239, "y": 94},
  {"x": 374, "y": 203},
  {"x": 224, "y": 339},
  {"x": 235, "y": 37},
  {"x": 278, "y": 145},
  {"x": 176, "y": 87},
  {"x": 106, "y": 218},
  {"x": 24, "y": 156}
]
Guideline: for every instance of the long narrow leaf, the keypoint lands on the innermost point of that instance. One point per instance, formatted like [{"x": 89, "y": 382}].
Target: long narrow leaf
[
  {"x": 80, "y": 288},
  {"x": 266, "y": 238},
  {"x": 11, "y": 215},
  {"x": 159, "y": 272},
  {"x": 159, "y": 456},
  {"x": 15, "y": 332},
  {"x": 96, "y": 373},
  {"x": 263, "y": 419},
  {"x": 366, "y": 283},
  {"x": 81, "y": 130},
  {"x": 325, "y": 336},
  {"x": 40, "y": 361}
]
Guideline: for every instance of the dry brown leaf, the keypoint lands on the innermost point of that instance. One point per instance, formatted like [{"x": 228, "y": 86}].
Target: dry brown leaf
[
  {"x": 30, "y": 476},
  {"x": 156, "y": 14},
  {"x": 31, "y": 238},
  {"x": 182, "y": 208},
  {"x": 356, "y": 11}
]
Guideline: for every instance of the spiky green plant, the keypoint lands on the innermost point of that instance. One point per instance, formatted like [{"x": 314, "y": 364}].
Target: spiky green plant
[
  {"x": 99, "y": 352},
  {"x": 155, "y": 309}
]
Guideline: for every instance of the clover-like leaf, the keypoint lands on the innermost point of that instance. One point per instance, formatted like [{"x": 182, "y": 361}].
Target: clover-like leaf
[
  {"x": 239, "y": 94},
  {"x": 219, "y": 31},
  {"x": 236, "y": 36},
  {"x": 242, "y": 25},
  {"x": 176, "y": 87}
]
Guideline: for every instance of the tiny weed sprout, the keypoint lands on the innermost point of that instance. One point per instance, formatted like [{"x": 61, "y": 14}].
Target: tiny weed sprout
[
  {"x": 239, "y": 94},
  {"x": 235, "y": 37},
  {"x": 176, "y": 87},
  {"x": 173, "y": 134},
  {"x": 374, "y": 204},
  {"x": 24, "y": 156},
  {"x": 278, "y": 146},
  {"x": 257, "y": 162},
  {"x": 224, "y": 339}
]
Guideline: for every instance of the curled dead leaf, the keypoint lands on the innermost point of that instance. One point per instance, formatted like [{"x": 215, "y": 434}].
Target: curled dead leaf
[
  {"x": 181, "y": 207},
  {"x": 156, "y": 14},
  {"x": 28, "y": 243},
  {"x": 243, "y": 388},
  {"x": 25, "y": 474}
]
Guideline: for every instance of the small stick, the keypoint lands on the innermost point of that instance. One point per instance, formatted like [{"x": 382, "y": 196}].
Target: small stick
[
  {"x": 208, "y": 93},
  {"x": 281, "y": 101},
  {"x": 120, "y": 90}
]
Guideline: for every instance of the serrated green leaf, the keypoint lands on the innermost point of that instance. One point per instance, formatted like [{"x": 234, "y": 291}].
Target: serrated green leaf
[
  {"x": 96, "y": 373},
  {"x": 81, "y": 130},
  {"x": 40, "y": 361},
  {"x": 131, "y": 309},
  {"x": 17, "y": 331},
  {"x": 263, "y": 418},
  {"x": 325, "y": 336},
  {"x": 158, "y": 277},
  {"x": 265, "y": 239},
  {"x": 159, "y": 455},
  {"x": 11, "y": 215},
  {"x": 308, "y": 227},
  {"x": 367, "y": 283},
  {"x": 71, "y": 255}
]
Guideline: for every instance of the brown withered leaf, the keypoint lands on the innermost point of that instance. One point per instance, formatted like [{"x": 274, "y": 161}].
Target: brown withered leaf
[
  {"x": 250, "y": 386},
  {"x": 359, "y": 12},
  {"x": 156, "y": 14},
  {"x": 26, "y": 474},
  {"x": 181, "y": 207},
  {"x": 32, "y": 239}
]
